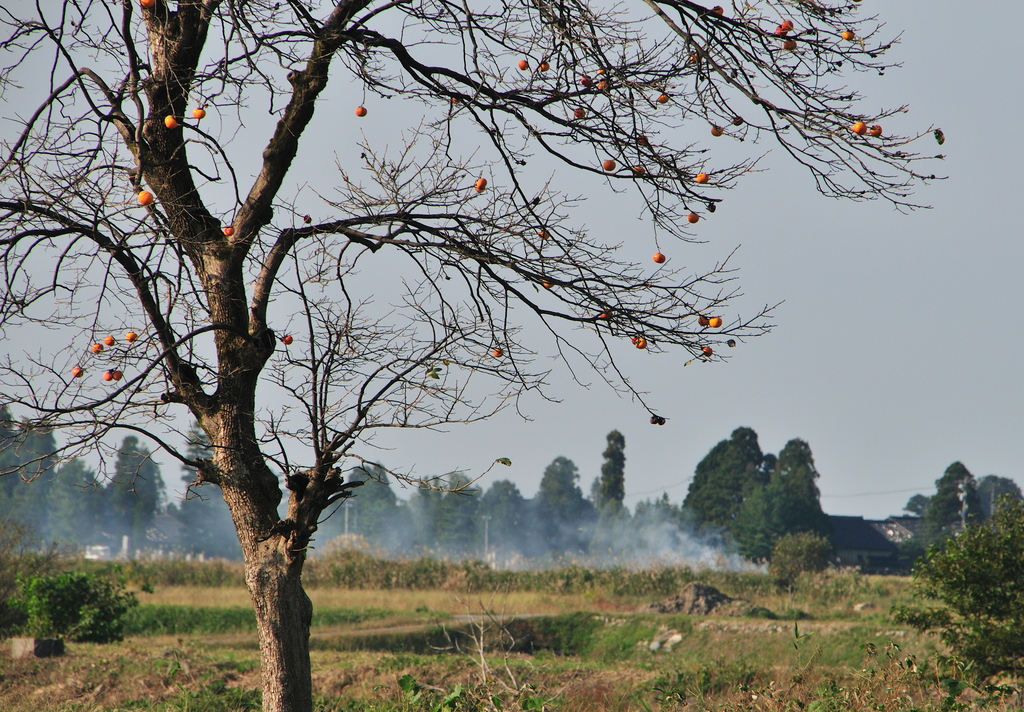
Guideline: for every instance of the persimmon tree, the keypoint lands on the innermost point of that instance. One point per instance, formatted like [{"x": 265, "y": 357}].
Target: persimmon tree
[{"x": 141, "y": 190}]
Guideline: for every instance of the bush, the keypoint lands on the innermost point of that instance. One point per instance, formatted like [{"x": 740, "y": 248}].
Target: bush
[
  {"x": 19, "y": 555},
  {"x": 978, "y": 579},
  {"x": 76, "y": 606},
  {"x": 796, "y": 553}
]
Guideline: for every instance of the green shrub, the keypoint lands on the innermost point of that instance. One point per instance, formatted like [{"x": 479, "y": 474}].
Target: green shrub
[
  {"x": 20, "y": 554},
  {"x": 796, "y": 553},
  {"x": 76, "y": 606},
  {"x": 978, "y": 580}
]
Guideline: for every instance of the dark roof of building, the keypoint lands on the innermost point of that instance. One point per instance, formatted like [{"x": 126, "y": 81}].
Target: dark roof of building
[{"x": 857, "y": 533}]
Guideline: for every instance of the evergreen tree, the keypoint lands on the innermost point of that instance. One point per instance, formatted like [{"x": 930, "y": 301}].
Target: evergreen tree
[
  {"x": 991, "y": 487},
  {"x": 757, "y": 525},
  {"x": 789, "y": 503},
  {"x": 917, "y": 505},
  {"x": 728, "y": 474},
  {"x": 508, "y": 531},
  {"x": 799, "y": 503},
  {"x": 610, "y": 488},
  {"x": 458, "y": 526},
  {"x": 424, "y": 508},
  {"x": 8, "y": 460},
  {"x": 954, "y": 503},
  {"x": 661, "y": 510},
  {"x": 76, "y": 501},
  {"x": 30, "y": 461},
  {"x": 564, "y": 514},
  {"x": 206, "y": 525},
  {"x": 375, "y": 512},
  {"x": 135, "y": 493}
]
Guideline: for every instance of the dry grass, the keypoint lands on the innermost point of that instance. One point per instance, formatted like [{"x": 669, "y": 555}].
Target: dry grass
[
  {"x": 720, "y": 664},
  {"x": 404, "y": 601}
]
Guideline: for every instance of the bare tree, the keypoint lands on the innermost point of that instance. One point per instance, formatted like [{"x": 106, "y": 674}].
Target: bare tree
[{"x": 125, "y": 205}]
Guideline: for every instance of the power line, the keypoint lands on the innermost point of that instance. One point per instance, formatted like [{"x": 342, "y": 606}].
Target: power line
[{"x": 873, "y": 494}]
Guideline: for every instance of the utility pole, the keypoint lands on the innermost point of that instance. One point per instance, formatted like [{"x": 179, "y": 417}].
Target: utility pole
[{"x": 487, "y": 521}]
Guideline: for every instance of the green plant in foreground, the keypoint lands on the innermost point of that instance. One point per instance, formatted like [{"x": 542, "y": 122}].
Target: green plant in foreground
[
  {"x": 978, "y": 581},
  {"x": 77, "y": 606}
]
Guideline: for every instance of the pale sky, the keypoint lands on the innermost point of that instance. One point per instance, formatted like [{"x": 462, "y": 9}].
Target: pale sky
[{"x": 896, "y": 350}]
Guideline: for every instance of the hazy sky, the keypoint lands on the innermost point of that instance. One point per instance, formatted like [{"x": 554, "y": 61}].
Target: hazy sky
[{"x": 896, "y": 350}]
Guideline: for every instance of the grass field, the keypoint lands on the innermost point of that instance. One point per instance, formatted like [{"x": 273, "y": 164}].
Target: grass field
[{"x": 830, "y": 646}]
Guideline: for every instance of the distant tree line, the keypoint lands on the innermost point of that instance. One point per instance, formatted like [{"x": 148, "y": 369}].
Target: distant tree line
[
  {"x": 70, "y": 504},
  {"x": 741, "y": 500}
]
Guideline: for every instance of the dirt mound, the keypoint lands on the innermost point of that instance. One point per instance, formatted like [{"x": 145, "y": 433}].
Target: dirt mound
[{"x": 700, "y": 599}]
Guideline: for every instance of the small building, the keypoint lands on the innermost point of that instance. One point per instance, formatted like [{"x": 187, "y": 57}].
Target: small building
[
  {"x": 97, "y": 552},
  {"x": 857, "y": 542},
  {"x": 897, "y": 529}
]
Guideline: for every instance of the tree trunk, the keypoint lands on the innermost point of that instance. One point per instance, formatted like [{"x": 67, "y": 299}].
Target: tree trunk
[
  {"x": 283, "y": 616},
  {"x": 274, "y": 557}
]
